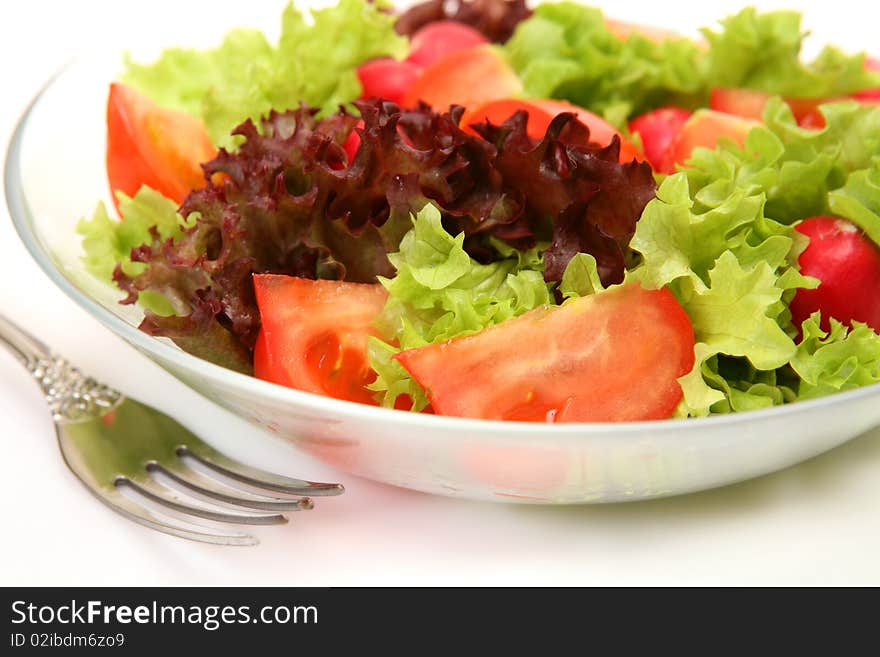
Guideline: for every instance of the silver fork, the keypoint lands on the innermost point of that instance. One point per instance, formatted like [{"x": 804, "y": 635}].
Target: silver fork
[{"x": 148, "y": 467}]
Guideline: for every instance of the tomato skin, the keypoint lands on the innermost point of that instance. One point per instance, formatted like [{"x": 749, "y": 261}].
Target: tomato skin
[
  {"x": 657, "y": 129},
  {"x": 314, "y": 334},
  {"x": 613, "y": 356},
  {"x": 440, "y": 38},
  {"x": 151, "y": 145},
  {"x": 387, "y": 78},
  {"x": 541, "y": 113},
  {"x": 468, "y": 77},
  {"x": 703, "y": 129},
  {"x": 746, "y": 103},
  {"x": 749, "y": 104},
  {"x": 847, "y": 263}
]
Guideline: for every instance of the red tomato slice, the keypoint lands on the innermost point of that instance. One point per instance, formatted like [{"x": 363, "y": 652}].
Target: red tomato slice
[
  {"x": 613, "y": 356},
  {"x": 387, "y": 78},
  {"x": 541, "y": 113},
  {"x": 657, "y": 129},
  {"x": 749, "y": 104},
  {"x": 440, "y": 38},
  {"x": 314, "y": 334},
  {"x": 703, "y": 129},
  {"x": 468, "y": 77},
  {"x": 154, "y": 146},
  {"x": 847, "y": 263}
]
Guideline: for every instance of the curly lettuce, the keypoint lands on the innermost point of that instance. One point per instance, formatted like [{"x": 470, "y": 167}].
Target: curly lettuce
[
  {"x": 762, "y": 51},
  {"x": 566, "y": 50},
  {"x": 314, "y": 62},
  {"x": 439, "y": 292},
  {"x": 721, "y": 236}
]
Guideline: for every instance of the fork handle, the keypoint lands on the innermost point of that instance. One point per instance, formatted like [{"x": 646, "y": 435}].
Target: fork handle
[
  {"x": 22, "y": 344},
  {"x": 71, "y": 395}
]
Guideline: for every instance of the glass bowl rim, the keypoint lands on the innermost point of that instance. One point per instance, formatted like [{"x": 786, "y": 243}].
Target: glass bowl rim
[{"x": 24, "y": 222}]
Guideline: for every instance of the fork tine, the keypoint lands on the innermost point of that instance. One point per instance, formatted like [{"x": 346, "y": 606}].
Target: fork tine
[
  {"x": 167, "y": 497},
  {"x": 253, "y": 476},
  {"x": 199, "y": 484},
  {"x": 144, "y": 516}
]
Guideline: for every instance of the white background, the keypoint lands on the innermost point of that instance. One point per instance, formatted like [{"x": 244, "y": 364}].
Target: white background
[{"x": 818, "y": 523}]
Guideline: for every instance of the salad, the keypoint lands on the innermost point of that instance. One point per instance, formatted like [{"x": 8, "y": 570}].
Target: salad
[{"x": 486, "y": 210}]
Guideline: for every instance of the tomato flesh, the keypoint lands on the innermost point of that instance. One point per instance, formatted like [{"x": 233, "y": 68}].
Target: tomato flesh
[
  {"x": 847, "y": 263},
  {"x": 468, "y": 77},
  {"x": 150, "y": 145},
  {"x": 314, "y": 334},
  {"x": 541, "y": 113},
  {"x": 612, "y": 356},
  {"x": 657, "y": 129},
  {"x": 440, "y": 38}
]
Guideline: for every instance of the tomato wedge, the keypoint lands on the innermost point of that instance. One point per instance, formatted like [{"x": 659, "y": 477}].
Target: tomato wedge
[
  {"x": 541, "y": 113},
  {"x": 468, "y": 77},
  {"x": 151, "y": 145},
  {"x": 703, "y": 129},
  {"x": 749, "y": 103},
  {"x": 612, "y": 356},
  {"x": 314, "y": 334}
]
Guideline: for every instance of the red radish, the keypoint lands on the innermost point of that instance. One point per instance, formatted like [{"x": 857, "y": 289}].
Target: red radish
[
  {"x": 657, "y": 129},
  {"x": 468, "y": 77},
  {"x": 387, "y": 78},
  {"x": 440, "y": 38},
  {"x": 847, "y": 263},
  {"x": 703, "y": 129}
]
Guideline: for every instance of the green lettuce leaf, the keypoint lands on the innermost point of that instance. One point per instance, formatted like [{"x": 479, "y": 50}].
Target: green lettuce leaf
[
  {"x": 439, "y": 292},
  {"x": 859, "y": 200},
  {"x": 720, "y": 235},
  {"x": 314, "y": 62},
  {"x": 837, "y": 360},
  {"x": 565, "y": 50},
  {"x": 581, "y": 277},
  {"x": 762, "y": 51},
  {"x": 108, "y": 242}
]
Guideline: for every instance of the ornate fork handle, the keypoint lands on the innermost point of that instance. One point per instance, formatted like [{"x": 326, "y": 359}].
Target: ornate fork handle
[{"x": 71, "y": 395}]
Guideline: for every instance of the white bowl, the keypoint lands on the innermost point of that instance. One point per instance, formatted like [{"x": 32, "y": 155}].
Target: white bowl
[{"x": 61, "y": 139}]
